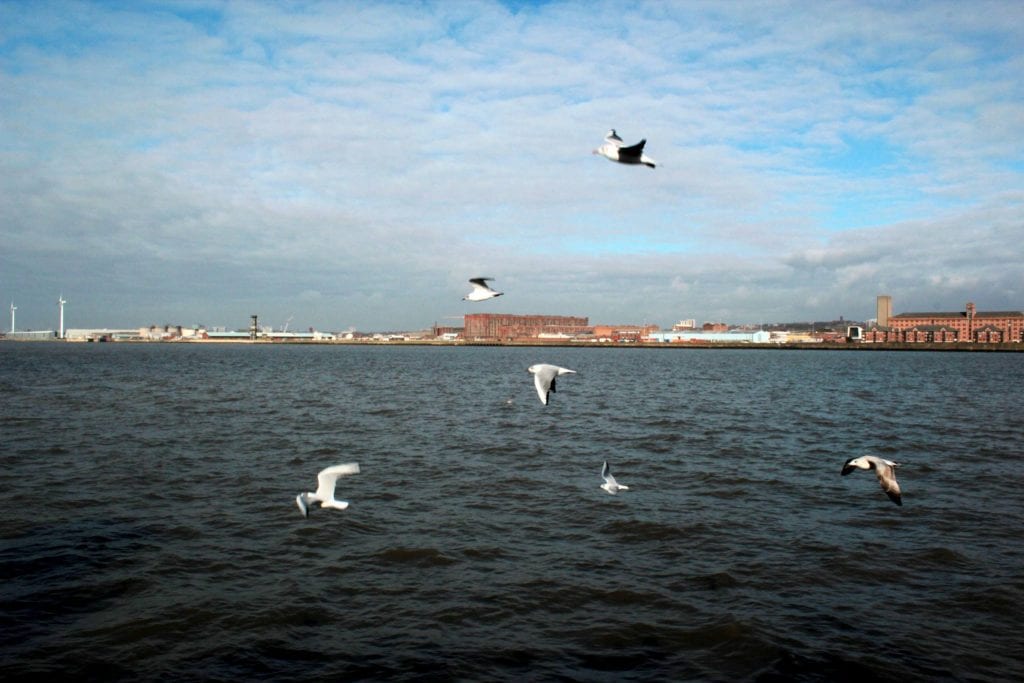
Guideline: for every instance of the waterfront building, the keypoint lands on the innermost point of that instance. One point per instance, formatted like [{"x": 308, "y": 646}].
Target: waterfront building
[
  {"x": 447, "y": 332},
  {"x": 699, "y": 336},
  {"x": 969, "y": 325},
  {"x": 794, "y": 337},
  {"x": 507, "y": 327},
  {"x": 102, "y": 334},
  {"x": 30, "y": 335},
  {"x": 623, "y": 333}
]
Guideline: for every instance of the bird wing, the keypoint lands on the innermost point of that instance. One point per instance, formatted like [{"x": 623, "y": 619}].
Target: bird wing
[
  {"x": 481, "y": 283},
  {"x": 887, "y": 478},
  {"x": 327, "y": 478},
  {"x": 633, "y": 151},
  {"x": 544, "y": 381},
  {"x": 613, "y": 138}
]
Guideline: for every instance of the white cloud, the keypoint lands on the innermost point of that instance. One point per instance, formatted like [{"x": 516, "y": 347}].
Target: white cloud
[{"x": 370, "y": 158}]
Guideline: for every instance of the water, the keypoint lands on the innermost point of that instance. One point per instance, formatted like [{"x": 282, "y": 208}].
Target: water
[{"x": 148, "y": 529}]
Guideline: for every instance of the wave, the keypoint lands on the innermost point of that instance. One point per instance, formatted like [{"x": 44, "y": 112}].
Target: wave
[{"x": 420, "y": 557}]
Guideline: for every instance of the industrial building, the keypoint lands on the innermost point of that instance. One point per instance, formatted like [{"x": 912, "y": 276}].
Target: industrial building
[
  {"x": 31, "y": 335},
  {"x": 506, "y": 327},
  {"x": 699, "y": 337},
  {"x": 623, "y": 333}
]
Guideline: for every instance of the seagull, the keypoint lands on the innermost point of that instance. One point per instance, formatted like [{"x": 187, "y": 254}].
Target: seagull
[
  {"x": 325, "y": 488},
  {"x": 885, "y": 469},
  {"x": 481, "y": 290},
  {"x": 610, "y": 485},
  {"x": 544, "y": 378},
  {"x": 613, "y": 150}
]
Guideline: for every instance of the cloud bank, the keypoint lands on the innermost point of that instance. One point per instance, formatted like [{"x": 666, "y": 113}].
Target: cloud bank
[{"x": 352, "y": 165}]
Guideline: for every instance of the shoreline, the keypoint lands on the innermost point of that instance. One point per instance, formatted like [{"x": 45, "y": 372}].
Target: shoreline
[{"x": 1009, "y": 347}]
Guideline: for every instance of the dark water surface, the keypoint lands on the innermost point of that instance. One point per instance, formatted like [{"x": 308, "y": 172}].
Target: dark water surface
[{"x": 149, "y": 530}]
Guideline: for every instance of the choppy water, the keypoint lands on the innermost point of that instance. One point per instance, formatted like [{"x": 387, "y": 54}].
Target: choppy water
[{"x": 149, "y": 530}]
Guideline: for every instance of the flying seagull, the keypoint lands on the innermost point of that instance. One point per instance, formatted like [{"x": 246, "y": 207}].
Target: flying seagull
[
  {"x": 614, "y": 150},
  {"x": 544, "y": 378},
  {"x": 325, "y": 488},
  {"x": 885, "y": 469},
  {"x": 610, "y": 485},
  {"x": 481, "y": 290}
]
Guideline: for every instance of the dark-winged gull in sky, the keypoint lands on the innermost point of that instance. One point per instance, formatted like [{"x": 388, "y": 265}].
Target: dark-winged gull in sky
[
  {"x": 481, "y": 290},
  {"x": 610, "y": 485},
  {"x": 544, "y": 378},
  {"x": 614, "y": 150},
  {"x": 324, "y": 493},
  {"x": 885, "y": 469}
]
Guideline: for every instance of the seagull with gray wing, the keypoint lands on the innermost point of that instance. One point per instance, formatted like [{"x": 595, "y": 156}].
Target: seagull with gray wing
[{"x": 884, "y": 469}]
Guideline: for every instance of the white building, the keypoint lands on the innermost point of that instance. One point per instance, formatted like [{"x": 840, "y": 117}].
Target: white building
[
  {"x": 97, "y": 334},
  {"x": 758, "y": 337}
]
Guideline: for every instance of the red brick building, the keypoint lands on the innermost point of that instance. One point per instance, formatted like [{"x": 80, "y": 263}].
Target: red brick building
[
  {"x": 968, "y": 325},
  {"x": 506, "y": 327}
]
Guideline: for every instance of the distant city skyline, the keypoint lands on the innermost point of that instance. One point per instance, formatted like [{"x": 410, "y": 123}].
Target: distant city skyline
[
  {"x": 352, "y": 165},
  {"x": 456, "y": 322}
]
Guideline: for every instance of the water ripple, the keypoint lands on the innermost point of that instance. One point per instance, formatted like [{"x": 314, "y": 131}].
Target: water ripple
[{"x": 150, "y": 528}]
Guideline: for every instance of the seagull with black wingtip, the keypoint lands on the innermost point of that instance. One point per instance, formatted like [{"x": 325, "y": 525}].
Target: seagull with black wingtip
[
  {"x": 884, "y": 469},
  {"x": 614, "y": 150},
  {"x": 481, "y": 290},
  {"x": 544, "y": 376}
]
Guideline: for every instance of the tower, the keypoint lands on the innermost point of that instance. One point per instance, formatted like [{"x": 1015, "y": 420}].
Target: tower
[
  {"x": 60, "y": 305},
  {"x": 13, "y": 309},
  {"x": 883, "y": 310},
  {"x": 253, "y": 327}
]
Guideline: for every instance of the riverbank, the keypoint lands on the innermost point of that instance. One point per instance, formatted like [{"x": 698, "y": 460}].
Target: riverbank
[{"x": 804, "y": 346}]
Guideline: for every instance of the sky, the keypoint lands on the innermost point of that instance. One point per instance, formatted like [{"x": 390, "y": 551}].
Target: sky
[{"x": 350, "y": 165}]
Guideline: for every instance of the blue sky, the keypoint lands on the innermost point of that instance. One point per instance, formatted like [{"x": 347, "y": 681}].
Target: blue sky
[{"x": 351, "y": 165}]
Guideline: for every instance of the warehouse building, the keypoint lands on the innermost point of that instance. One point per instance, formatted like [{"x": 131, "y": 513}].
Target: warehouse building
[
  {"x": 969, "y": 325},
  {"x": 506, "y": 327}
]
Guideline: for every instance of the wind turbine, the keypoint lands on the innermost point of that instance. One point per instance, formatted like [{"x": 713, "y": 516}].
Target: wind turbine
[
  {"x": 60, "y": 304},
  {"x": 13, "y": 309}
]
